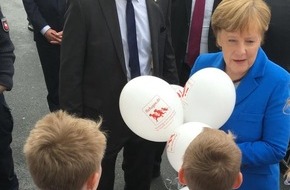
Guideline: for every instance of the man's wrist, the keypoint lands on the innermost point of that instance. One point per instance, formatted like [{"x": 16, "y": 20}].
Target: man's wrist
[{"x": 44, "y": 29}]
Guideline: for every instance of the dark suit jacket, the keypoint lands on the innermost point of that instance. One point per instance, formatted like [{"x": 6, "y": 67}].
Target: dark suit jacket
[
  {"x": 45, "y": 12},
  {"x": 92, "y": 71},
  {"x": 7, "y": 58},
  {"x": 277, "y": 39},
  {"x": 180, "y": 20}
]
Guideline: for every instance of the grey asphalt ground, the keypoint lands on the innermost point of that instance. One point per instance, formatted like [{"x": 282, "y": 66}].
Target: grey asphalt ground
[{"x": 27, "y": 100}]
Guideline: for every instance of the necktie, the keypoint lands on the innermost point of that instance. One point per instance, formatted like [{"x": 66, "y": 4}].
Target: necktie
[
  {"x": 132, "y": 40},
  {"x": 193, "y": 47}
]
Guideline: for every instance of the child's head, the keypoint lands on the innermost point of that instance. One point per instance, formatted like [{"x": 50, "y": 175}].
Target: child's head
[
  {"x": 64, "y": 152},
  {"x": 212, "y": 162}
]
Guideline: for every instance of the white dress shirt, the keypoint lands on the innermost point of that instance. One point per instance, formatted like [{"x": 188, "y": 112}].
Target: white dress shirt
[
  {"x": 142, "y": 33},
  {"x": 205, "y": 25}
]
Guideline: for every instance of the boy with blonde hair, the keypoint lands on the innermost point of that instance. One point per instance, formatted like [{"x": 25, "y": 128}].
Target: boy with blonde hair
[
  {"x": 64, "y": 152},
  {"x": 211, "y": 162}
]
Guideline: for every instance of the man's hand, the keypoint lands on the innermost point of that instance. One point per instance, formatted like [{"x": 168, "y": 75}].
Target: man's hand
[{"x": 53, "y": 37}]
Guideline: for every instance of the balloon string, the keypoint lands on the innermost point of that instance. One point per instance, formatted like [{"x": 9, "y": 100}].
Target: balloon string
[{"x": 172, "y": 184}]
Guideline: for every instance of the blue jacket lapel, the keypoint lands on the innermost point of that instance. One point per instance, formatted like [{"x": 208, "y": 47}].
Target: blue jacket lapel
[{"x": 251, "y": 80}]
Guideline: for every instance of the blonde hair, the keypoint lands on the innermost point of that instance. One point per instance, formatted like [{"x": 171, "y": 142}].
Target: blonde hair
[
  {"x": 212, "y": 161},
  {"x": 63, "y": 151},
  {"x": 241, "y": 15}
]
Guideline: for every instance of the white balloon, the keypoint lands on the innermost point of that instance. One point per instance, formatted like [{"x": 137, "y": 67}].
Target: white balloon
[
  {"x": 178, "y": 89},
  {"x": 151, "y": 108},
  {"x": 180, "y": 140},
  {"x": 209, "y": 97},
  {"x": 184, "y": 188}
]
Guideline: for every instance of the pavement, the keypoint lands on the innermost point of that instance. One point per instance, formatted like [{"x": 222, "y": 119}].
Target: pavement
[{"x": 27, "y": 101}]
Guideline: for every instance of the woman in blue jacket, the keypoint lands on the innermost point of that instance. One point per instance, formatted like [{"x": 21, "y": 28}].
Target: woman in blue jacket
[{"x": 259, "y": 120}]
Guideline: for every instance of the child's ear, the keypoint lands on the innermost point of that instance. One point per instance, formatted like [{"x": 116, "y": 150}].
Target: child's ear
[
  {"x": 93, "y": 181},
  {"x": 181, "y": 178},
  {"x": 238, "y": 181}
]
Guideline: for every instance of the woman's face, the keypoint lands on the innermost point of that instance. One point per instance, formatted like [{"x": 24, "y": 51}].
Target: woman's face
[{"x": 240, "y": 50}]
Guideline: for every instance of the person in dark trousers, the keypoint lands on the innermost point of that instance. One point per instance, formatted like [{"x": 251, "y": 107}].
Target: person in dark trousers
[
  {"x": 96, "y": 65},
  {"x": 8, "y": 178},
  {"x": 47, "y": 18}
]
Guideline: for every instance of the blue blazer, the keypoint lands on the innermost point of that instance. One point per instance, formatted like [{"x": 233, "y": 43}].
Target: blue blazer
[{"x": 258, "y": 121}]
